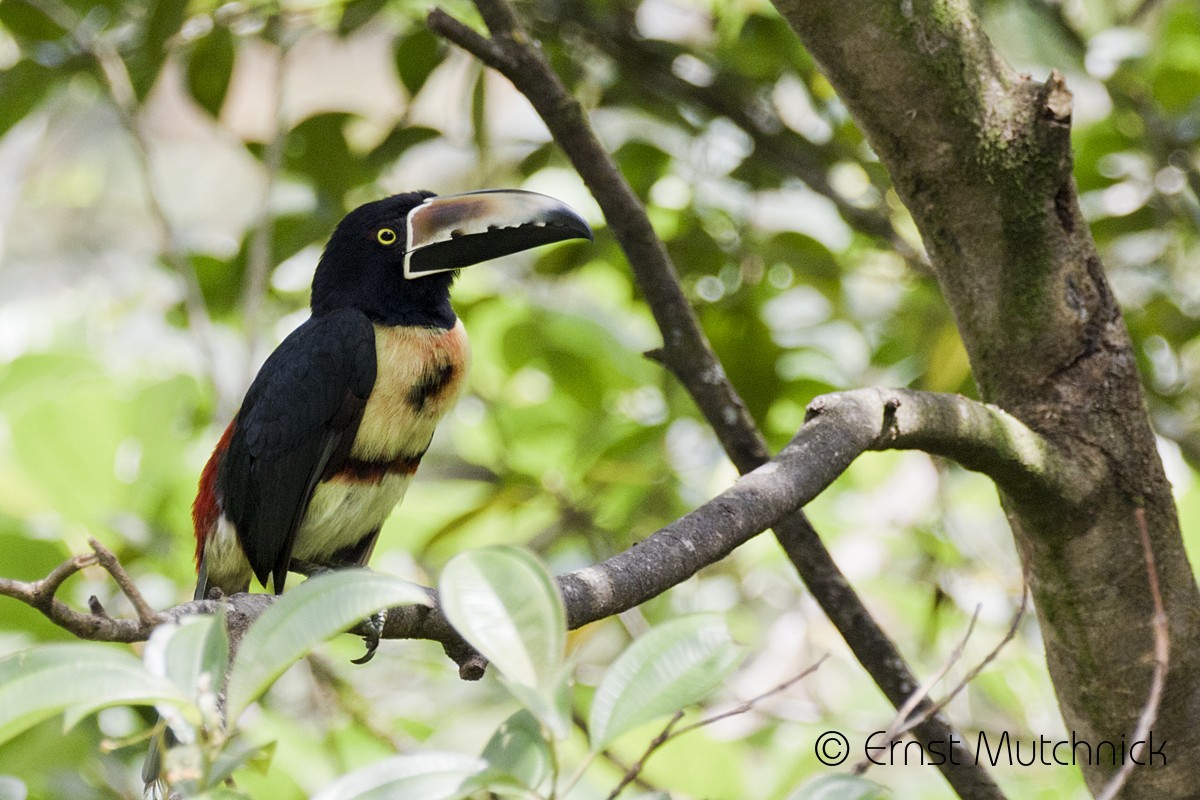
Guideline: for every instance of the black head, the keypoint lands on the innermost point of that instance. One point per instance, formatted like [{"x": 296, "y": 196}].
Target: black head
[{"x": 394, "y": 259}]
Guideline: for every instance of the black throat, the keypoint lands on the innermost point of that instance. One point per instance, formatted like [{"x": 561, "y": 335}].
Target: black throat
[{"x": 380, "y": 290}]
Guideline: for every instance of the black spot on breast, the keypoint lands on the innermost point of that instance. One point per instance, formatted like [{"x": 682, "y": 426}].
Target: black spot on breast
[{"x": 431, "y": 384}]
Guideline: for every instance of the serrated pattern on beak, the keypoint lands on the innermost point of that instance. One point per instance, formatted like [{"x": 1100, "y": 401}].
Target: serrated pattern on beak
[{"x": 455, "y": 231}]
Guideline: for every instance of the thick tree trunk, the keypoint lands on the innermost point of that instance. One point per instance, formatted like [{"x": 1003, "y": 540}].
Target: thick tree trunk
[{"x": 981, "y": 157}]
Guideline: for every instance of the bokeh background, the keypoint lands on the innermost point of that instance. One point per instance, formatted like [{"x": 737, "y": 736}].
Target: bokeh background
[{"x": 157, "y": 239}]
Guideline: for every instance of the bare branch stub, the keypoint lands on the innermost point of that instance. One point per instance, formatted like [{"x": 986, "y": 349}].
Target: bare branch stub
[{"x": 147, "y": 616}]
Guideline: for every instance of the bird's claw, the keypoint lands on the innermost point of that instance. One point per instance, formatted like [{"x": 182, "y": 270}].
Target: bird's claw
[{"x": 374, "y": 627}]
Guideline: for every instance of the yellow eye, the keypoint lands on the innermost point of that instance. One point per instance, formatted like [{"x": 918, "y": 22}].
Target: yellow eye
[{"x": 386, "y": 236}]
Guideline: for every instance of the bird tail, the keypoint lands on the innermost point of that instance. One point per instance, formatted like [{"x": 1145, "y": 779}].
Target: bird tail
[{"x": 152, "y": 768}]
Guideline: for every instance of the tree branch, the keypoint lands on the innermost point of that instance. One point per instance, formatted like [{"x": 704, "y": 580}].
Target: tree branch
[
  {"x": 688, "y": 355},
  {"x": 846, "y": 425}
]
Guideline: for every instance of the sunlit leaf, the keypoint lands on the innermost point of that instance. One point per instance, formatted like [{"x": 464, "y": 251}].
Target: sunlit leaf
[
  {"x": 670, "y": 667},
  {"x": 428, "y": 776},
  {"x": 303, "y": 618},
  {"x": 506, "y": 605},
  {"x": 193, "y": 655},
  {"x": 79, "y": 678}
]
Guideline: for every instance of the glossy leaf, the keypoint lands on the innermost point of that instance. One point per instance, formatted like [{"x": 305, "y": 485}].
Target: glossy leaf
[
  {"x": 79, "y": 678},
  {"x": 194, "y": 656},
  {"x": 518, "y": 749},
  {"x": 428, "y": 776},
  {"x": 303, "y": 618},
  {"x": 670, "y": 667},
  {"x": 504, "y": 602}
]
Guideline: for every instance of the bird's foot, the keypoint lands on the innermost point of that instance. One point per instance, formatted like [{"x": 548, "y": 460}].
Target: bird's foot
[
  {"x": 374, "y": 631},
  {"x": 308, "y": 569}
]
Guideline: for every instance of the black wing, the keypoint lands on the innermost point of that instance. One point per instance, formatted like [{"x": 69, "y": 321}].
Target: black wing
[{"x": 299, "y": 416}]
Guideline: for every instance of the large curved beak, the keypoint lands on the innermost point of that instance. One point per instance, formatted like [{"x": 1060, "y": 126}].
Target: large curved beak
[{"x": 458, "y": 230}]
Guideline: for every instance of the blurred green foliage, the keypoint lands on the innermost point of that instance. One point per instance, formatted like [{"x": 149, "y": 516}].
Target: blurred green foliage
[{"x": 800, "y": 260}]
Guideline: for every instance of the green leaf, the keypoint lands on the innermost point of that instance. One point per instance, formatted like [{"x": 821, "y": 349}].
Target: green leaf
[
  {"x": 29, "y": 21},
  {"x": 163, "y": 21},
  {"x": 838, "y": 787},
  {"x": 417, "y": 54},
  {"x": 429, "y": 776},
  {"x": 303, "y": 618},
  {"x": 317, "y": 149},
  {"x": 357, "y": 13},
  {"x": 209, "y": 69},
  {"x": 504, "y": 602},
  {"x": 22, "y": 87},
  {"x": 396, "y": 143},
  {"x": 77, "y": 678},
  {"x": 670, "y": 667},
  {"x": 193, "y": 655},
  {"x": 237, "y": 754},
  {"x": 519, "y": 749}
]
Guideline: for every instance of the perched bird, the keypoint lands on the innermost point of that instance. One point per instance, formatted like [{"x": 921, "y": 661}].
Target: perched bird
[{"x": 340, "y": 414}]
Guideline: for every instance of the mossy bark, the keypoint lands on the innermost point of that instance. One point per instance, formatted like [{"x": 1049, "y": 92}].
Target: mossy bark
[{"x": 981, "y": 157}]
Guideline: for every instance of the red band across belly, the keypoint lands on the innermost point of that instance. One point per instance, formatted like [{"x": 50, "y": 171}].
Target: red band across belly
[{"x": 358, "y": 471}]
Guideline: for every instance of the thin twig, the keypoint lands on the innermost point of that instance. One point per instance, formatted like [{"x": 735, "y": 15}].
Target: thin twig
[
  {"x": 670, "y": 731},
  {"x": 97, "y": 625},
  {"x": 1162, "y": 652},
  {"x": 611, "y": 757},
  {"x": 655, "y": 743},
  {"x": 972, "y": 673},
  {"x": 900, "y": 721},
  {"x": 147, "y": 616},
  {"x": 749, "y": 705},
  {"x": 48, "y": 586}
]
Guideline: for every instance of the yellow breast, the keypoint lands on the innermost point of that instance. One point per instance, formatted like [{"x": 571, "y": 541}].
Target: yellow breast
[{"x": 420, "y": 373}]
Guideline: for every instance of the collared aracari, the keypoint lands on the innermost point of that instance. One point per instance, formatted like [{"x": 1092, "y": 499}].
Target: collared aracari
[{"x": 340, "y": 414}]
